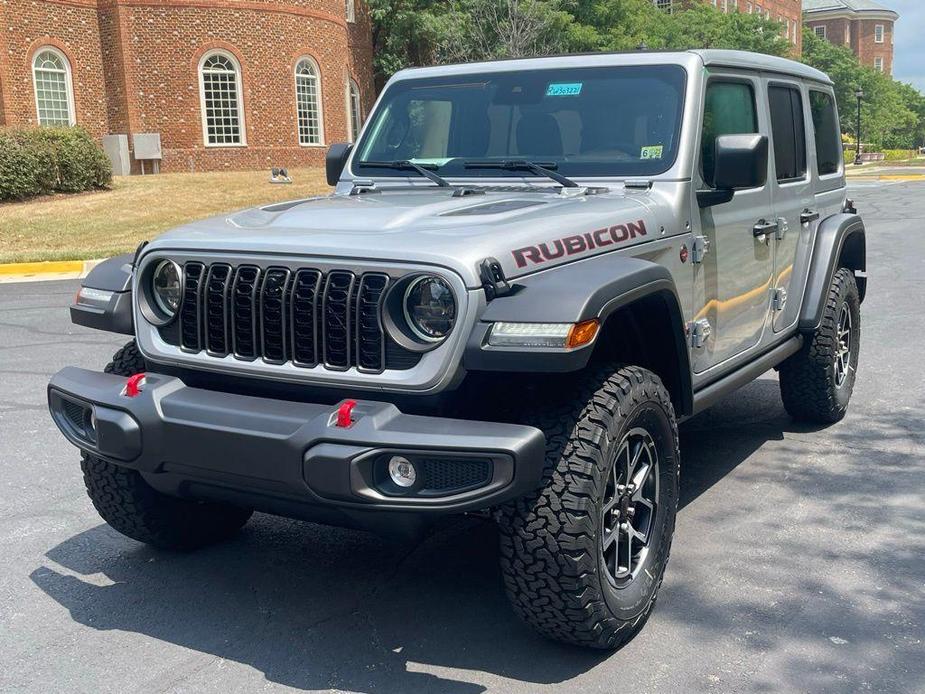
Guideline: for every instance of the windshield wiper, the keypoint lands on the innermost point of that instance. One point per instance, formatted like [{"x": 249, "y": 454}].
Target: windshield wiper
[
  {"x": 405, "y": 165},
  {"x": 544, "y": 169}
]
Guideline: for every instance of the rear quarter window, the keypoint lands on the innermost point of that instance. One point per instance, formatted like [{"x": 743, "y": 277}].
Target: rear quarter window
[{"x": 828, "y": 137}]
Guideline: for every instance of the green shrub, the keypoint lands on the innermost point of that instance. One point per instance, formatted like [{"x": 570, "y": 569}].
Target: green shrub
[
  {"x": 899, "y": 154},
  {"x": 37, "y": 161},
  {"x": 26, "y": 168}
]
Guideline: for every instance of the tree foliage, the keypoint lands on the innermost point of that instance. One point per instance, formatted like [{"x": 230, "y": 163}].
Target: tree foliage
[
  {"x": 892, "y": 113},
  {"x": 427, "y": 32}
]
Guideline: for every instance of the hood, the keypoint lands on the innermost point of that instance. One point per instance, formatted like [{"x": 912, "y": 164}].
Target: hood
[{"x": 526, "y": 231}]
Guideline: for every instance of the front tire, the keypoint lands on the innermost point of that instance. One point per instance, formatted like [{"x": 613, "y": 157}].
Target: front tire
[
  {"x": 133, "y": 507},
  {"x": 583, "y": 558},
  {"x": 816, "y": 383}
]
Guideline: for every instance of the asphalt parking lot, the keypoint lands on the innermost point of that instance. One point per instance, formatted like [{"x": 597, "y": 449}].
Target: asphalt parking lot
[{"x": 798, "y": 563}]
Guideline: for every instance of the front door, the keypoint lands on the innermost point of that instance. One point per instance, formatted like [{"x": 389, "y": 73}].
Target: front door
[{"x": 733, "y": 281}]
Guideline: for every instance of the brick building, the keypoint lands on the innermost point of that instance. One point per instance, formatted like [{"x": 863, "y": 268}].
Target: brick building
[
  {"x": 787, "y": 12},
  {"x": 864, "y": 26},
  {"x": 226, "y": 83}
]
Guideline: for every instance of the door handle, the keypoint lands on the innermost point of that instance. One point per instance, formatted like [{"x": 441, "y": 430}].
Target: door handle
[
  {"x": 763, "y": 228},
  {"x": 807, "y": 216}
]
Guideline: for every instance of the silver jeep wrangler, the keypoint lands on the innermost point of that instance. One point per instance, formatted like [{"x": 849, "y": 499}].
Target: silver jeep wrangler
[{"x": 528, "y": 273}]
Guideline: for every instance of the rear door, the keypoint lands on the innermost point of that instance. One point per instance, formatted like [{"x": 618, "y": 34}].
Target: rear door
[{"x": 791, "y": 197}]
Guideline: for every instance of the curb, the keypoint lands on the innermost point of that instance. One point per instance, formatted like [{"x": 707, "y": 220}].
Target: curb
[{"x": 50, "y": 270}]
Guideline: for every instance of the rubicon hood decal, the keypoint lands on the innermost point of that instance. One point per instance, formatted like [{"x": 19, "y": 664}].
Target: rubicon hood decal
[{"x": 579, "y": 243}]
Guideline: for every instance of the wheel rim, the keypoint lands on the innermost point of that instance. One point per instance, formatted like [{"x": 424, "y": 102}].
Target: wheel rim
[
  {"x": 630, "y": 498},
  {"x": 842, "y": 364}
]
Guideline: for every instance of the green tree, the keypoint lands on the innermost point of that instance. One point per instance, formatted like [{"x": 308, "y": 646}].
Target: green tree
[
  {"x": 889, "y": 110},
  {"x": 491, "y": 29}
]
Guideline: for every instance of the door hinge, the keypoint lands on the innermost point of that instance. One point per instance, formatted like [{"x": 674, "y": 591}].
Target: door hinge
[
  {"x": 700, "y": 332},
  {"x": 699, "y": 247},
  {"x": 782, "y": 229},
  {"x": 779, "y": 299}
]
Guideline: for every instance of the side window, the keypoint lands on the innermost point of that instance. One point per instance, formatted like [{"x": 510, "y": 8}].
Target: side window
[
  {"x": 729, "y": 110},
  {"x": 828, "y": 138},
  {"x": 789, "y": 133}
]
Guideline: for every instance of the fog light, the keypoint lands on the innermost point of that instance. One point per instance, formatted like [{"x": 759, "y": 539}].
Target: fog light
[{"x": 402, "y": 471}]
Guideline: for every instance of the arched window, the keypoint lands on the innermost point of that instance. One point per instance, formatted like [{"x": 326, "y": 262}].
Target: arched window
[
  {"x": 308, "y": 102},
  {"x": 220, "y": 93},
  {"x": 355, "y": 112},
  {"x": 54, "y": 91}
]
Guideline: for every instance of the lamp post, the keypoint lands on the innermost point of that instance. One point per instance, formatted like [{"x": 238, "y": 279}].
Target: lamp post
[{"x": 859, "y": 93}]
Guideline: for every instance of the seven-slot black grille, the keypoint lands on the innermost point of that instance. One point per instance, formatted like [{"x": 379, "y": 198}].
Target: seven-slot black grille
[{"x": 280, "y": 315}]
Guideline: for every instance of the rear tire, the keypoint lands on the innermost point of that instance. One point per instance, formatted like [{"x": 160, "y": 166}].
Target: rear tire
[
  {"x": 134, "y": 508},
  {"x": 560, "y": 573},
  {"x": 816, "y": 383}
]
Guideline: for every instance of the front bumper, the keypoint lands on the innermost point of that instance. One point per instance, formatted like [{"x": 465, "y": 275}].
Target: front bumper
[{"x": 288, "y": 457}]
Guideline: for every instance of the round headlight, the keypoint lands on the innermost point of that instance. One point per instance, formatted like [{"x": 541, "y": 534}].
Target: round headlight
[
  {"x": 430, "y": 308},
  {"x": 166, "y": 287}
]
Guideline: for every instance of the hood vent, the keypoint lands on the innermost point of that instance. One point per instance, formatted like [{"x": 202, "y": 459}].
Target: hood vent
[{"x": 494, "y": 208}]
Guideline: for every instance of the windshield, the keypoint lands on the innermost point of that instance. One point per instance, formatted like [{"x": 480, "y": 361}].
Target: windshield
[{"x": 601, "y": 121}]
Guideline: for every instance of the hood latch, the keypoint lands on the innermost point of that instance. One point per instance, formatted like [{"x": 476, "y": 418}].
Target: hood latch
[{"x": 493, "y": 280}]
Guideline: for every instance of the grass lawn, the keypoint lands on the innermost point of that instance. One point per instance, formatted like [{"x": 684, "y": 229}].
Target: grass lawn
[{"x": 105, "y": 223}]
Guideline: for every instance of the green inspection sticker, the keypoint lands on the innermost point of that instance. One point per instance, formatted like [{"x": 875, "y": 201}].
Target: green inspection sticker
[
  {"x": 564, "y": 89},
  {"x": 651, "y": 152}
]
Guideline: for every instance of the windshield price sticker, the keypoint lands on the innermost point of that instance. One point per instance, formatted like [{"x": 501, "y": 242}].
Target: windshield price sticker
[
  {"x": 564, "y": 89},
  {"x": 651, "y": 152}
]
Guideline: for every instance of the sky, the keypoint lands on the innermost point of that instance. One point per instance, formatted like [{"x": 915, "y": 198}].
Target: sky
[{"x": 909, "y": 48}]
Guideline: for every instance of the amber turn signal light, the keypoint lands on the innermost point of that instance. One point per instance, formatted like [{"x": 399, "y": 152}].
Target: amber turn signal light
[{"x": 582, "y": 333}]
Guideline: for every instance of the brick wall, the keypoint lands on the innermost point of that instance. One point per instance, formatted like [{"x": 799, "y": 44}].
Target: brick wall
[
  {"x": 73, "y": 28},
  {"x": 859, "y": 36},
  {"x": 151, "y": 51}
]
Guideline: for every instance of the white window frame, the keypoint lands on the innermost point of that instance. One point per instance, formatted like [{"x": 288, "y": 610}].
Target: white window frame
[
  {"x": 354, "y": 132},
  {"x": 816, "y": 31},
  {"x": 318, "y": 100},
  {"x": 239, "y": 92},
  {"x": 68, "y": 83},
  {"x": 848, "y": 33},
  {"x": 879, "y": 31},
  {"x": 351, "y": 10},
  {"x": 878, "y": 63}
]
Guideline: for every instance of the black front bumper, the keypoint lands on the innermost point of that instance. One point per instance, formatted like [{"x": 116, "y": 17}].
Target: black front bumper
[{"x": 291, "y": 458}]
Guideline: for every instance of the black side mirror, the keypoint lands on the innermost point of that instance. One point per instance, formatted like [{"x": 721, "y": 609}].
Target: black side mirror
[
  {"x": 741, "y": 163},
  {"x": 336, "y": 160}
]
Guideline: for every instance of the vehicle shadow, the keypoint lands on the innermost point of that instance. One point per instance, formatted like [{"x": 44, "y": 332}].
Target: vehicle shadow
[{"x": 318, "y": 608}]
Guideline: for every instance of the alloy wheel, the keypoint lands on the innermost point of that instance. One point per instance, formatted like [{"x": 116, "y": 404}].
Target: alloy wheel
[{"x": 629, "y": 506}]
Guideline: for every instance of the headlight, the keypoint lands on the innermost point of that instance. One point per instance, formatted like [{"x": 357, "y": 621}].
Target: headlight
[
  {"x": 429, "y": 308},
  {"x": 166, "y": 287},
  {"x": 543, "y": 335}
]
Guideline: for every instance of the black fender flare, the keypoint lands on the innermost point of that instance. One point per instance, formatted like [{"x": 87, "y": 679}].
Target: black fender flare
[
  {"x": 840, "y": 242},
  {"x": 112, "y": 277},
  {"x": 592, "y": 288}
]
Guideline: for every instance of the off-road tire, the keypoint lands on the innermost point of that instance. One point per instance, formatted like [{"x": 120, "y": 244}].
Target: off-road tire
[
  {"x": 808, "y": 383},
  {"x": 551, "y": 557},
  {"x": 127, "y": 361},
  {"x": 134, "y": 508}
]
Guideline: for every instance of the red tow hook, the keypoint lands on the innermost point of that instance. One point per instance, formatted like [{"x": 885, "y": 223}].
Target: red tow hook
[
  {"x": 133, "y": 385},
  {"x": 345, "y": 414}
]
